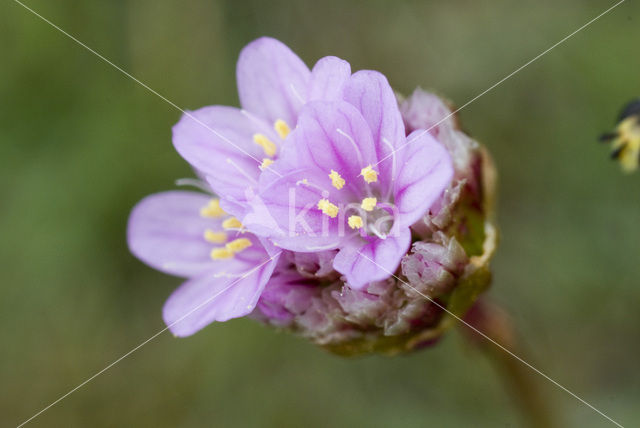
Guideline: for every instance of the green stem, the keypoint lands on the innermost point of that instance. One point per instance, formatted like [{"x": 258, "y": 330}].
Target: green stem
[{"x": 523, "y": 382}]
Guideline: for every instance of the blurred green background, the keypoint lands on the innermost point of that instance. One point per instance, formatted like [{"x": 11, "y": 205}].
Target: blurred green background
[{"x": 80, "y": 144}]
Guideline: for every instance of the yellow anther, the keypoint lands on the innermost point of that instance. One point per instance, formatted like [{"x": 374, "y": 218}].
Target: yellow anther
[
  {"x": 221, "y": 253},
  {"x": 232, "y": 223},
  {"x": 212, "y": 209},
  {"x": 215, "y": 237},
  {"x": 267, "y": 145},
  {"x": 230, "y": 248},
  {"x": 238, "y": 245},
  {"x": 336, "y": 180},
  {"x": 369, "y": 175},
  {"x": 355, "y": 222},
  {"x": 282, "y": 128},
  {"x": 328, "y": 208},
  {"x": 368, "y": 204},
  {"x": 265, "y": 163}
]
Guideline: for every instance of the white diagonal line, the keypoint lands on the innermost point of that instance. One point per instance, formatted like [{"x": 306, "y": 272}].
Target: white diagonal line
[
  {"x": 148, "y": 340},
  {"x": 494, "y": 342},
  {"x": 258, "y": 161},
  {"x": 508, "y": 76},
  {"x": 153, "y": 91}
]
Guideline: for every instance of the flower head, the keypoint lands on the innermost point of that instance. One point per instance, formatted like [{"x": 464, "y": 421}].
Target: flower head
[
  {"x": 343, "y": 214},
  {"x": 442, "y": 273},
  {"x": 350, "y": 179}
]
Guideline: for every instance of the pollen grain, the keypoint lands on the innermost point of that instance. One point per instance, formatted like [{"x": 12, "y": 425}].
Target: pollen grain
[
  {"x": 266, "y": 162},
  {"x": 336, "y": 180},
  {"x": 221, "y": 253},
  {"x": 238, "y": 245},
  {"x": 212, "y": 209},
  {"x": 215, "y": 237},
  {"x": 369, "y": 174},
  {"x": 368, "y": 204},
  {"x": 232, "y": 223},
  {"x": 328, "y": 208},
  {"x": 267, "y": 145},
  {"x": 282, "y": 128},
  {"x": 355, "y": 222}
]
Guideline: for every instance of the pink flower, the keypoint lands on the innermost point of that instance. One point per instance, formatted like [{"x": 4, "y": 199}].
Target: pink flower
[
  {"x": 337, "y": 210},
  {"x": 187, "y": 234},
  {"x": 350, "y": 179},
  {"x": 230, "y": 146}
]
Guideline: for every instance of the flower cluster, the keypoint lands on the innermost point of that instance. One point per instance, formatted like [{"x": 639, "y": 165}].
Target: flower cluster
[
  {"x": 625, "y": 139},
  {"x": 342, "y": 213}
]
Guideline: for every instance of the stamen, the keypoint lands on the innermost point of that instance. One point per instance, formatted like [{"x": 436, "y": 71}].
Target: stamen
[
  {"x": 376, "y": 232},
  {"x": 282, "y": 128},
  {"x": 198, "y": 184},
  {"x": 232, "y": 223},
  {"x": 368, "y": 204},
  {"x": 328, "y": 208},
  {"x": 267, "y": 145},
  {"x": 265, "y": 163},
  {"x": 369, "y": 175},
  {"x": 238, "y": 245},
  {"x": 355, "y": 222},
  {"x": 215, "y": 237},
  {"x": 306, "y": 183},
  {"x": 212, "y": 209},
  {"x": 221, "y": 253},
  {"x": 337, "y": 180},
  {"x": 296, "y": 93},
  {"x": 356, "y": 150},
  {"x": 393, "y": 165}
]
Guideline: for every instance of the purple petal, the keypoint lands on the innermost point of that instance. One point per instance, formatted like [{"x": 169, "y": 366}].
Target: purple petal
[
  {"x": 425, "y": 171},
  {"x": 328, "y": 78},
  {"x": 218, "y": 142},
  {"x": 165, "y": 231},
  {"x": 371, "y": 94},
  {"x": 272, "y": 80},
  {"x": 287, "y": 213},
  {"x": 362, "y": 262},
  {"x": 286, "y": 295},
  {"x": 330, "y": 136},
  {"x": 203, "y": 300}
]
